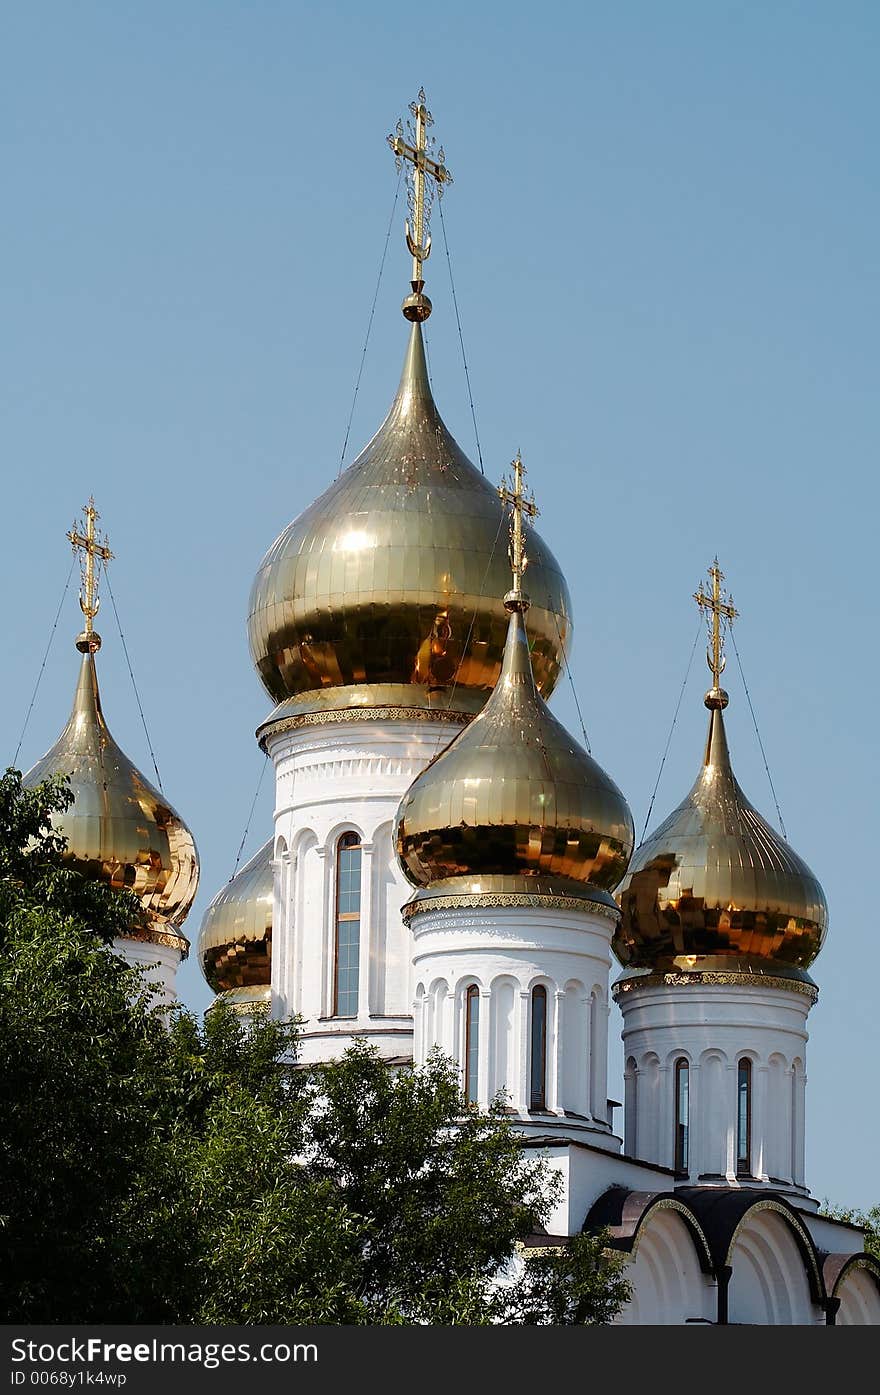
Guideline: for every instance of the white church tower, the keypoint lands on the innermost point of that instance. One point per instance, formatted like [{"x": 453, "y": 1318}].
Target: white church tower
[
  {"x": 515, "y": 838},
  {"x": 721, "y": 920},
  {"x": 450, "y": 869},
  {"x": 375, "y": 627}
]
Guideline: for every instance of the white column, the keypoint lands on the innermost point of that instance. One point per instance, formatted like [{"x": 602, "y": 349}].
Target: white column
[
  {"x": 327, "y": 934},
  {"x": 484, "y": 1042},
  {"x": 599, "y": 1011},
  {"x": 763, "y": 1120},
  {"x": 367, "y": 948},
  {"x": 695, "y": 1104},
  {"x": 555, "y": 1055},
  {"x": 666, "y": 1116},
  {"x": 449, "y": 1037},
  {"x": 521, "y": 1084}
]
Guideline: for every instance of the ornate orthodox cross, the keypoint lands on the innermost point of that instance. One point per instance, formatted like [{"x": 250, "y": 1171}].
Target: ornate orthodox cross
[
  {"x": 521, "y": 506},
  {"x": 418, "y": 152},
  {"x": 718, "y": 607},
  {"x": 91, "y": 547}
]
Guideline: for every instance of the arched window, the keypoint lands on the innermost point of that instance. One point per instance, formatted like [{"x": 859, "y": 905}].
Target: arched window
[
  {"x": 472, "y": 1044},
  {"x": 744, "y": 1117},
  {"x": 348, "y": 926},
  {"x": 538, "y": 1074},
  {"x": 682, "y": 1114}
]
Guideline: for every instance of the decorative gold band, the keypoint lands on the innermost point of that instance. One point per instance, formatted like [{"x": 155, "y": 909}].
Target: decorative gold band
[
  {"x": 715, "y": 977},
  {"x": 360, "y": 714},
  {"x": 169, "y": 939},
  {"x": 496, "y": 900}
]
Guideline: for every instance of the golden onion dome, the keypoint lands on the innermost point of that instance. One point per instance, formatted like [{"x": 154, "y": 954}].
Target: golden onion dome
[
  {"x": 380, "y": 595},
  {"x": 119, "y": 828},
  {"x": 716, "y": 888},
  {"x": 514, "y": 806},
  {"x": 235, "y": 940}
]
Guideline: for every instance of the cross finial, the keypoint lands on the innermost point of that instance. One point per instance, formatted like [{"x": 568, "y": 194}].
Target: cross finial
[
  {"x": 428, "y": 176},
  {"x": 85, "y": 540},
  {"x": 719, "y": 608},
  {"x": 521, "y": 506}
]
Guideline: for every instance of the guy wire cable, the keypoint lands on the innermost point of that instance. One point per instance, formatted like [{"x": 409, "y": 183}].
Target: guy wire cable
[
  {"x": 131, "y": 676},
  {"x": 672, "y": 729},
  {"x": 757, "y": 732},
  {"x": 43, "y": 664},
  {"x": 369, "y": 328}
]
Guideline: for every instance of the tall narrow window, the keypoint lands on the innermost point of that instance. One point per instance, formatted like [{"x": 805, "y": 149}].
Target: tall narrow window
[
  {"x": 472, "y": 1045},
  {"x": 538, "y": 1086},
  {"x": 682, "y": 1114},
  {"x": 744, "y": 1117},
  {"x": 348, "y": 926}
]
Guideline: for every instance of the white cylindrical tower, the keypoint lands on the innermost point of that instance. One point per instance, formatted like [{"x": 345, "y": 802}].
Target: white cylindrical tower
[
  {"x": 720, "y": 921},
  {"x": 341, "y": 953}
]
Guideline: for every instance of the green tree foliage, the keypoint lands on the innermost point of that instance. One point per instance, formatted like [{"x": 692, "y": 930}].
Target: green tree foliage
[
  {"x": 154, "y": 1169},
  {"x": 868, "y": 1220}
]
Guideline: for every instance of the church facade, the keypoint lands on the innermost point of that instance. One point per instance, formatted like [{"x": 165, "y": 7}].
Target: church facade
[{"x": 450, "y": 869}]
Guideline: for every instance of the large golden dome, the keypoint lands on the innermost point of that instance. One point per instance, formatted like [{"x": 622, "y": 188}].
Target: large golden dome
[
  {"x": 235, "y": 940},
  {"x": 119, "y": 828},
  {"x": 716, "y": 888},
  {"x": 382, "y": 594},
  {"x": 514, "y": 806}
]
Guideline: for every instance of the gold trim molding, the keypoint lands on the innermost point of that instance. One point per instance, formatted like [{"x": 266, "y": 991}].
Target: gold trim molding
[
  {"x": 498, "y": 900},
  {"x": 717, "y": 978},
  {"x": 359, "y": 714},
  {"x": 168, "y": 939}
]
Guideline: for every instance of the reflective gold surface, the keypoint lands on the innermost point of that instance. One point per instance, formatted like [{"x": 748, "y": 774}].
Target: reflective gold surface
[
  {"x": 481, "y": 891},
  {"x": 380, "y": 702},
  {"x": 235, "y": 941},
  {"x": 738, "y": 974},
  {"x": 391, "y": 577},
  {"x": 119, "y": 828},
  {"x": 244, "y": 1000},
  {"x": 514, "y": 795},
  {"x": 716, "y": 886}
]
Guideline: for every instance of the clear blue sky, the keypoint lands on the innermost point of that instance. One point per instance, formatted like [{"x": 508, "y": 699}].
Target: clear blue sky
[{"x": 664, "y": 232}]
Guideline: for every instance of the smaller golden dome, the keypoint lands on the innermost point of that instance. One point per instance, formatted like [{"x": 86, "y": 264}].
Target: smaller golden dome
[
  {"x": 119, "y": 828},
  {"x": 244, "y": 1001},
  {"x": 514, "y": 804},
  {"x": 716, "y": 888},
  {"x": 235, "y": 940}
]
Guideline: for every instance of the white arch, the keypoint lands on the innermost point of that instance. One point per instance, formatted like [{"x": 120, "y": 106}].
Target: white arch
[
  {"x": 769, "y": 1285},
  {"x": 669, "y": 1287},
  {"x": 859, "y": 1299},
  {"x": 336, "y": 832}
]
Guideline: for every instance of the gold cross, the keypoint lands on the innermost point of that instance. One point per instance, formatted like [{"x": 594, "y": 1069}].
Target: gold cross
[
  {"x": 92, "y": 546},
  {"x": 418, "y": 153},
  {"x": 521, "y": 506},
  {"x": 719, "y": 606}
]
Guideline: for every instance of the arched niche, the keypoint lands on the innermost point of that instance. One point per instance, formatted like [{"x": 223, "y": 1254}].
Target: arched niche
[
  {"x": 858, "y": 1290},
  {"x": 670, "y": 1287},
  {"x": 770, "y": 1284}
]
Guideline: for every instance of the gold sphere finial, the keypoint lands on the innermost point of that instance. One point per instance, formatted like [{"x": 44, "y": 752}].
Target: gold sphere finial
[{"x": 88, "y": 642}]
